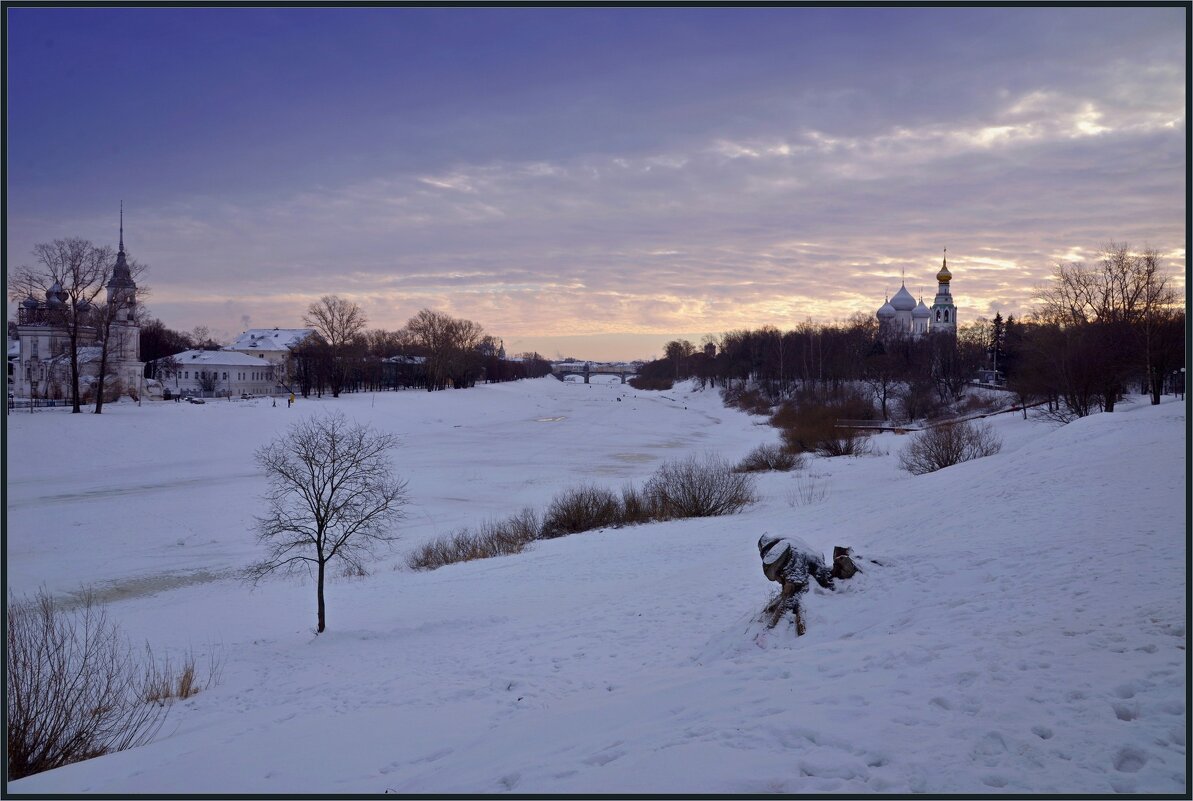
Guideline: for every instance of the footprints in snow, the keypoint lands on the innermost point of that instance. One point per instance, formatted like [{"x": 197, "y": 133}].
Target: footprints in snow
[
  {"x": 605, "y": 755},
  {"x": 1129, "y": 760}
]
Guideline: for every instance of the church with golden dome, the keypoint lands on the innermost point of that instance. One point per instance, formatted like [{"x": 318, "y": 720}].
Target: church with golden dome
[{"x": 902, "y": 316}]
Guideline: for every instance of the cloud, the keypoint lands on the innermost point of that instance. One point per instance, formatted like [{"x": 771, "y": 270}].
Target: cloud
[{"x": 791, "y": 209}]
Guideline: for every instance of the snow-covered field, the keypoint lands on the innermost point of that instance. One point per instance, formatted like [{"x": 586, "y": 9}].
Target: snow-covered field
[{"x": 1025, "y": 631}]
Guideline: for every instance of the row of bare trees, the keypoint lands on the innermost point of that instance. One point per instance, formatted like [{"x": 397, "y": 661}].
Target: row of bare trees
[
  {"x": 433, "y": 350},
  {"x": 828, "y": 363},
  {"x": 1100, "y": 330}
]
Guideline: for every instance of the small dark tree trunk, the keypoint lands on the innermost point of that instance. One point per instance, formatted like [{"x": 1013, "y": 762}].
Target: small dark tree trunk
[
  {"x": 74, "y": 372},
  {"x": 103, "y": 371},
  {"x": 1157, "y": 385},
  {"x": 322, "y": 606}
]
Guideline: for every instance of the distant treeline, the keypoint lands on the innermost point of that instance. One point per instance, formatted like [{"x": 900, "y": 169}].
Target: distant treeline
[
  {"x": 432, "y": 351},
  {"x": 1098, "y": 330}
]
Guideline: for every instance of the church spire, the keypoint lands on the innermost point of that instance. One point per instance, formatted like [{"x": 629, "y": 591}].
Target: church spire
[{"x": 121, "y": 285}]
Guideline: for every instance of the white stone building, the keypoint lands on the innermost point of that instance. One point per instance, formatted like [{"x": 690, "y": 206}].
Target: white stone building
[
  {"x": 273, "y": 345},
  {"x": 218, "y": 374},
  {"x": 42, "y": 366}
]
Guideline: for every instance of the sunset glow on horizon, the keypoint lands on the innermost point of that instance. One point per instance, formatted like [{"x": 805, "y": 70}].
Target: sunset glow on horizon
[{"x": 592, "y": 182}]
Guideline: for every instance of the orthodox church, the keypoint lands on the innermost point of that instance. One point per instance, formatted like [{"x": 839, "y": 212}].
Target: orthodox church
[
  {"x": 902, "y": 316},
  {"x": 43, "y": 362}
]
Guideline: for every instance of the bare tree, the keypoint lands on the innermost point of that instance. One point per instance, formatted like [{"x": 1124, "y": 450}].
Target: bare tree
[
  {"x": 209, "y": 382},
  {"x": 339, "y": 322},
  {"x": 201, "y": 338},
  {"x": 72, "y": 272},
  {"x": 163, "y": 368},
  {"x": 678, "y": 351},
  {"x": 1158, "y": 312},
  {"x": 450, "y": 346},
  {"x": 331, "y": 496},
  {"x": 1117, "y": 308},
  {"x": 880, "y": 374},
  {"x": 465, "y": 361}
]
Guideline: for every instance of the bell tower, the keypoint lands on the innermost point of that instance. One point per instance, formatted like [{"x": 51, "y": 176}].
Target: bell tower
[
  {"x": 944, "y": 312},
  {"x": 122, "y": 298}
]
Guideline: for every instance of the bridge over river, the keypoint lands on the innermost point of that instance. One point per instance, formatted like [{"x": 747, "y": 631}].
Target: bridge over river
[{"x": 588, "y": 369}]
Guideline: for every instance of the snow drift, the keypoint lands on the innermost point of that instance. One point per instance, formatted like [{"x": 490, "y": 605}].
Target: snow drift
[{"x": 1019, "y": 626}]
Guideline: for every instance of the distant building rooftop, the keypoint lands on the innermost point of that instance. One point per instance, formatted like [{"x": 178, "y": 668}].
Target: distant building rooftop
[
  {"x": 270, "y": 339},
  {"x": 222, "y": 357}
]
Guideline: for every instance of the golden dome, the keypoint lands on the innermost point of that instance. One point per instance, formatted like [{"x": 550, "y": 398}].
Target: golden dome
[{"x": 944, "y": 276}]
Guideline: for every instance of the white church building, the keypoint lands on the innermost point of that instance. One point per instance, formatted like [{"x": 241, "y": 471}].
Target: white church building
[
  {"x": 42, "y": 368},
  {"x": 902, "y": 316}
]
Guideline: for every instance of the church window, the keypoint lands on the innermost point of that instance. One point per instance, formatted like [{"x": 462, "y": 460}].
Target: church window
[
  {"x": 946, "y": 315},
  {"x": 225, "y": 376},
  {"x": 938, "y": 315},
  {"x": 186, "y": 374},
  {"x": 35, "y": 347}
]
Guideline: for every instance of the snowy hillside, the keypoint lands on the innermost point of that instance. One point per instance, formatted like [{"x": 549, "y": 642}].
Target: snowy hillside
[{"x": 1025, "y": 631}]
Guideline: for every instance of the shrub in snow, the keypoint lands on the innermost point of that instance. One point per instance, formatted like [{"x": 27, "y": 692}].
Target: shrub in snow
[
  {"x": 581, "y": 509},
  {"x": 770, "y": 457},
  {"x": 167, "y": 680},
  {"x": 917, "y": 399},
  {"x": 947, "y": 445},
  {"x": 635, "y": 506},
  {"x": 808, "y": 490},
  {"x": 846, "y": 442},
  {"x": 750, "y": 401},
  {"x": 688, "y": 488},
  {"x": 699, "y": 487},
  {"x": 492, "y": 538},
  {"x": 810, "y": 425},
  {"x": 75, "y": 688}
]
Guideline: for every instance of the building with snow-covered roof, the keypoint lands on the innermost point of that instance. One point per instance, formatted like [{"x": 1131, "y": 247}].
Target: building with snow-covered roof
[
  {"x": 217, "y": 374},
  {"x": 901, "y": 315},
  {"x": 274, "y": 345}
]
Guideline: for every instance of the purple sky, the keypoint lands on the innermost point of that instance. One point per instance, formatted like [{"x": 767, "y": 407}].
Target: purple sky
[{"x": 593, "y": 182}]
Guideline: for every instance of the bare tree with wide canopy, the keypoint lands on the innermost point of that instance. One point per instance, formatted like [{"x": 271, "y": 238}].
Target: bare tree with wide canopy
[
  {"x": 339, "y": 322},
  {"x": 72, "y": 272},
  {"x": 332, "y": 496}
]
